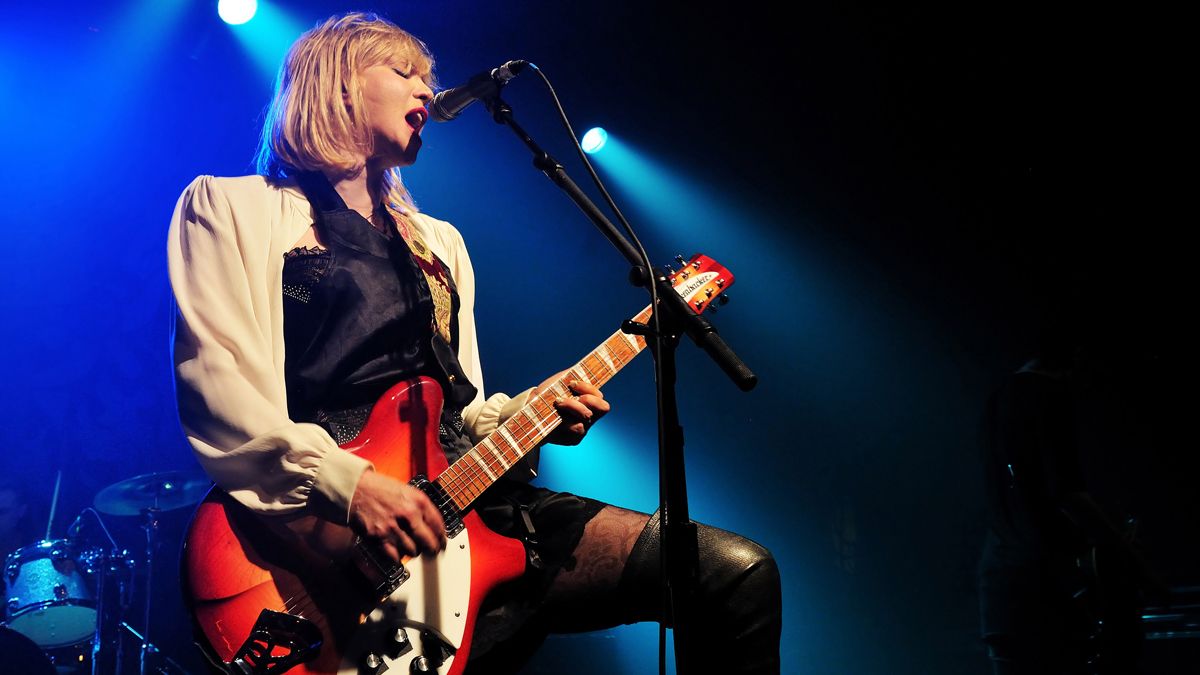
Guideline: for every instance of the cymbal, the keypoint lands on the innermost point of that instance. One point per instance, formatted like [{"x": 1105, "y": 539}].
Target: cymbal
[{"x": 164, "y": 491}]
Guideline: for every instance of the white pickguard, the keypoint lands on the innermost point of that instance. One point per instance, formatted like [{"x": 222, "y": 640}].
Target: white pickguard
[{"x": 434, "y": 598}]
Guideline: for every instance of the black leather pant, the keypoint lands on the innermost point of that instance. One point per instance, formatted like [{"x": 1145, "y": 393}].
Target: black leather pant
[
  {"x": 738, "y": 611},
  {"x": 737, "y": 617}
]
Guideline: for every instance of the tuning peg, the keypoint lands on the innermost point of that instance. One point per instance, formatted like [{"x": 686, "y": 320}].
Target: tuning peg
[
  {"x": 679, "y": 259},
  {"x": 724, "y": 299}
]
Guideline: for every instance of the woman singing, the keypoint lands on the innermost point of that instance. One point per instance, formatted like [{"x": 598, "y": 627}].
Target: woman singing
[{"x": 307, "y": 291}]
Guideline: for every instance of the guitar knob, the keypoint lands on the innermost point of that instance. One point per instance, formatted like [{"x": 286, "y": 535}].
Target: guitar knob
[
  {"x": 421, "y": 665},
  {"x": 373, "y": 661}
]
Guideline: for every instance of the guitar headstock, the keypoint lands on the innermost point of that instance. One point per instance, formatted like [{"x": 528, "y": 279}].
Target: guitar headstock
[{"x": 701, "y": 281}]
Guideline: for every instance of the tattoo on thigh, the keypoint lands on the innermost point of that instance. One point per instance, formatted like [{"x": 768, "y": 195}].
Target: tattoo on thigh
[{"x": 601, "y": 554}]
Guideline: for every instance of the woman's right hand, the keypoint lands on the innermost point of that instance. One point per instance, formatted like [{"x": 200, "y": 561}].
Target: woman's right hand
[{"x": 397, "y": 515}]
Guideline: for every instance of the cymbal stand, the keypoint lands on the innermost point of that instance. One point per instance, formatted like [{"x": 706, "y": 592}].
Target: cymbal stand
[
  {"x": 169, "y": 665},
  {"x": 104, "y": 568},
  {"x": 150, "y": 525}
]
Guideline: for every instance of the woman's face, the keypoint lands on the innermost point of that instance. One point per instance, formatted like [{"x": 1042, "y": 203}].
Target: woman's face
[{"x": 395, "y": 101}]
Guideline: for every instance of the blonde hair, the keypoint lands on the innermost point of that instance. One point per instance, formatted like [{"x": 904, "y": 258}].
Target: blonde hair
[{"x": 307, "y": 126}]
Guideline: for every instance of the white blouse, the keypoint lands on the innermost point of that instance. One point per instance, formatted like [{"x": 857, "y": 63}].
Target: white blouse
[{"x": 225, "y": 252}]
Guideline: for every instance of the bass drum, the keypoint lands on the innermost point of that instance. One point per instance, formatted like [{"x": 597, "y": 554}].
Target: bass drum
[
  {"x": 48, "y": 598},
  {"x": 21, "y": 655}
]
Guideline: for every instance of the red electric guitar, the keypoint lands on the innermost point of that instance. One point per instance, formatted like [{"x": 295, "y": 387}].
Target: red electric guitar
[{"x": 304, "y": 595}]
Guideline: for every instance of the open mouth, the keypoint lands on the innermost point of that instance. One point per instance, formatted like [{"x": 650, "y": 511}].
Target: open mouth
[{"x": 416, "y": 118}]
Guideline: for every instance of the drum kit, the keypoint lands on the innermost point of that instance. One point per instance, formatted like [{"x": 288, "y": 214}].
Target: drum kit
[{"x": 69, "y": 599}]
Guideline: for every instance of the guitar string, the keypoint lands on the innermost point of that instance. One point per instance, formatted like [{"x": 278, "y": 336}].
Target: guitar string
[
  {"x": 474, "y": 474},
  {"x": 492, "y": 461},
  {"x": 597, "y": 372},
  {"x": 617, "y": 347}
]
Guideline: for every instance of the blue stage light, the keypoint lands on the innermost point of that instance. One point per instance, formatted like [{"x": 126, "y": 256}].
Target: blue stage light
[
  {"x": 236, "y": 12},
  {"x": 593, "y": 140}
]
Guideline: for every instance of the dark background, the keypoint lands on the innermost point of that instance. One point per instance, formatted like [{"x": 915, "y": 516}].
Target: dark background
[{"x": 907, "y": 196}]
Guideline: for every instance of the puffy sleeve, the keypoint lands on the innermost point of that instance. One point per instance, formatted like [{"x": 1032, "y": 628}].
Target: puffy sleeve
[{"x": 228, "y": 350}]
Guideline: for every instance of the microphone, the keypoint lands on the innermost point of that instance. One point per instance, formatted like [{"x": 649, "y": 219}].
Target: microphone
[{"x": 447, "y": 104}]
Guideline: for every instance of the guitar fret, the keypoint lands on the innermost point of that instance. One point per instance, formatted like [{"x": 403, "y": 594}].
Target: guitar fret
[
  {"x": 630, "y": 340},
  {"x": 623, "y": 346},
  {"x": 474, "y": 487},
  {"x": 537, "y": 422},
  {"x": 580, "y": 372},
  {"x": 613, "y": 348},
  {"x": 483, "y": 465},
  {"x": 590, "y": 370},
  {"x": 520, "y": 434},
  {"x": 472, "y": 465},
  {"x": 605, "y": 356},
  {"x": 545, "y": 410},
  {"x": 501, "y": 456}
]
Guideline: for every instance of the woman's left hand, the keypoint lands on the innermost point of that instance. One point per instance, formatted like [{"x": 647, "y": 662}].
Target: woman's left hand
[{"x": 578, "y": 412}]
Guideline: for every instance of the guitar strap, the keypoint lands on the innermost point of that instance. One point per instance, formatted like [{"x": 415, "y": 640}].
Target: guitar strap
[{"x": 325, "y": 199}]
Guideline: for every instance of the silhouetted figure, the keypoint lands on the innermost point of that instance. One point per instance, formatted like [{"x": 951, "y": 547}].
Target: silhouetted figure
[{"x": 1059, "y": 580}]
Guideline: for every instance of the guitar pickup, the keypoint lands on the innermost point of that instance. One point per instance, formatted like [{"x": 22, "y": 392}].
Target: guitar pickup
[{"x": 437, "y": 495}]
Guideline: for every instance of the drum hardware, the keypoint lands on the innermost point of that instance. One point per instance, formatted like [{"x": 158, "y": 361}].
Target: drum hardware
[
  {"x": 170, "y": 666},
  {"x": 148, "y": 496},
  {"x": 59, "y": 594}
]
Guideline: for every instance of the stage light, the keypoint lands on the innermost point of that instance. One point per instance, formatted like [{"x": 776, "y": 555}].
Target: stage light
[
  {"x": 266, "y": 39},
  {"x": 236, "y": 12},
  {"x": 593, "y": 140}
]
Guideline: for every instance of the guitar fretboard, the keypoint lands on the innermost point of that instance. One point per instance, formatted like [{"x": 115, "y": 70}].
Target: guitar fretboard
[{"x": 492, "y": 457}]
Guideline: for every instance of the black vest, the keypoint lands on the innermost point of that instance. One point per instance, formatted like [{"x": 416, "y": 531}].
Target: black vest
[{"x": 358, "y": 319}]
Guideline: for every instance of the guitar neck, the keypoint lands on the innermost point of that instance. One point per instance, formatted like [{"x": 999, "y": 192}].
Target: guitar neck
[{"x": 492, "y": 457}]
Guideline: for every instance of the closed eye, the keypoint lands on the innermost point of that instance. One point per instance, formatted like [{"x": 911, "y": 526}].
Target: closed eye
[{"x": 402, "y": 73}]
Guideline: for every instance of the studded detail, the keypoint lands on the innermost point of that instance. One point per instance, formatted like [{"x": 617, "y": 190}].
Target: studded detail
[
  {"x": 303, "y": 269},
  {"x": 344, "y": 425}
]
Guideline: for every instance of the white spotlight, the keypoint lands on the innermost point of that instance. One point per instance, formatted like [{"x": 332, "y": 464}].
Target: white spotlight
[{"x": 236, "y": 12}]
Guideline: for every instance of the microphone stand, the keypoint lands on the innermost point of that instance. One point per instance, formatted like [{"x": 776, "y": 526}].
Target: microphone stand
[{"x": 680, "y": 556}]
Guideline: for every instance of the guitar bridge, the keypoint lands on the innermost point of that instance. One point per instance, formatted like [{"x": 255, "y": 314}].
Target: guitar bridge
[
  {"x": 274, "y": 631},
  {"x": 437, "y": 495}
]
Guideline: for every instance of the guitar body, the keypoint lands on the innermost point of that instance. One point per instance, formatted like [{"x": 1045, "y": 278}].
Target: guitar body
[{"x": 237, "y": 564}]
